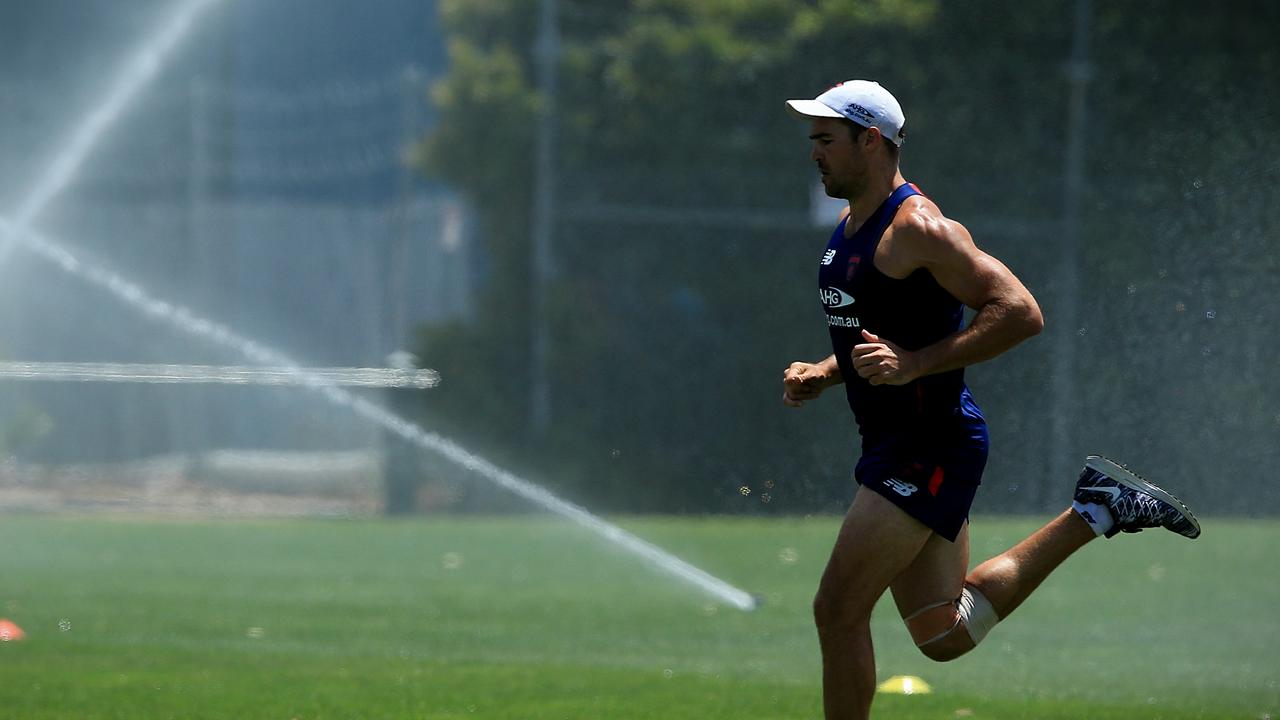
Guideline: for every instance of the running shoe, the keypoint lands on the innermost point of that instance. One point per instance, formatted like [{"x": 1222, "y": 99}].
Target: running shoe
[{"x": 1135, "y": 503}]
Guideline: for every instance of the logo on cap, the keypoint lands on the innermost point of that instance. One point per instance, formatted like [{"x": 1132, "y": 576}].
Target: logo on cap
[{"x": 860, "y": 111}]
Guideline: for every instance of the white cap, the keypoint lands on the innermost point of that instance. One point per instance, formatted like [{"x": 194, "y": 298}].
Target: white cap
[{"x": 861, "y": 101}]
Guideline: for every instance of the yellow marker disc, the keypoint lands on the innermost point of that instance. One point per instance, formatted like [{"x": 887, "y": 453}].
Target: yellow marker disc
[{"x": 905, "y": 685}]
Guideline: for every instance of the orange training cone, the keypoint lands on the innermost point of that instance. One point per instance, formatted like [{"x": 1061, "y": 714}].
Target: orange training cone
[{"x": 10, "y": 631}]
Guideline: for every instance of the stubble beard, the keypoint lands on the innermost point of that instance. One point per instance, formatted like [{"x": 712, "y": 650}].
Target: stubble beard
[
  {"x": 850, "y": 188},
  {"x": 855, "y": 187},
  {"x": 835, "y": 188}
]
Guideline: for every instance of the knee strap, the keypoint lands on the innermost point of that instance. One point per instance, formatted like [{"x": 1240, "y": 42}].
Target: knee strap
[
  {"x": 936, "y": 621},
  {"x": 932, "y": 622},
  {"x": 976, "y": 613}
]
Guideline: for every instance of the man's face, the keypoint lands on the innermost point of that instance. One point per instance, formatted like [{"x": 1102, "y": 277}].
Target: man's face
[{"x": 840, "y": 163}]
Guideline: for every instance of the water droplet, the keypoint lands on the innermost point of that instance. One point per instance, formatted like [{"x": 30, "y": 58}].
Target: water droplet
[
  {"x": 451, "y": 561},
  {"x": 710, "y": 609},
  {"x": 1156, "y": 572},
  {"x": 64, "y": 625},
  {"x": 1210, "y": 314},
  {"x": 744, "y": 490},
  {"x": 255, "y": 633},
  {"x": 668, "y": 674},
  {"x": 1163, "y": 273},
  {"x": 765, "y": 497},
  {"x": 1082, "y": 331},
  {"x": 768, "y": 484},
  {"x": 1180, "y": 307},
  {"x": 1132, "y": 289},
  {"x": 788, "y": 556},
  {"x": 1197, "y": 183},
  {"x": 1206, "y": 350},
  {"x": 615, "y": 453}
]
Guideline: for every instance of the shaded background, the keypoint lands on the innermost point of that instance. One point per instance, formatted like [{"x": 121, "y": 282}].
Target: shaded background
[{"x": 598, "y": 223}]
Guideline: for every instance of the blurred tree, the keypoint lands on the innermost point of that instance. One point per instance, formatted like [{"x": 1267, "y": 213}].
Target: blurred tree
[
  {"x": 685, "y": 262},
  {"x": 663, "y": 104}
]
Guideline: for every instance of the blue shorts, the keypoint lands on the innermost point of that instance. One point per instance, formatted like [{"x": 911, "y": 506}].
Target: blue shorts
[{"x": 932, "y": 480}]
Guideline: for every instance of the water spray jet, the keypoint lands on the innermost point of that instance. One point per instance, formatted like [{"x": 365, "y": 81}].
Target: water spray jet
[
  {"x": 141, "y": 69},
  {"x": 183, "y": 319}
]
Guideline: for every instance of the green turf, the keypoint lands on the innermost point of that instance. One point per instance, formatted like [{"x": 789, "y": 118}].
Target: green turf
[{"x": 532, "y": 618}]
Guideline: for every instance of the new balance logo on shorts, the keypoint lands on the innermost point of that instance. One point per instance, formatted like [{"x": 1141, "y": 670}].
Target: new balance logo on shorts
[{"x": 902, "y": 488}]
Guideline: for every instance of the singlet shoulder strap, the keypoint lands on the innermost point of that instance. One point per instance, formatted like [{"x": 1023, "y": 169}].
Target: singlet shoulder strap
[{"x": 890, "y": 207}]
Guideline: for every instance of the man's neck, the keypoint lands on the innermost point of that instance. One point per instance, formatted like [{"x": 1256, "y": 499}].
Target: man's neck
[{"x": 877, "y": 190}]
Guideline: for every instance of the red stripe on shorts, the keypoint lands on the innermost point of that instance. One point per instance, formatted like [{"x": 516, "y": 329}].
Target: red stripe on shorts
[{"x": 935, "y": 482}]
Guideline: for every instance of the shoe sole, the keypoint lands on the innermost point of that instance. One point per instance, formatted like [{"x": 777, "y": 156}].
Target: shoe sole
[{"x": 1130, "y": 479}]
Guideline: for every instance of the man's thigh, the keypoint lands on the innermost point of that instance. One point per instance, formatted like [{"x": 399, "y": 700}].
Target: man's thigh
[
  {"x": 876, "y": 543},
  {"x": 936, "y": 574}
]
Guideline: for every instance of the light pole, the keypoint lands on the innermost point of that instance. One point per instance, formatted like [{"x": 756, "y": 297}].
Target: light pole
[
  {"x": 1065, "y": 387},
  {"x": 547, "y": 53}
]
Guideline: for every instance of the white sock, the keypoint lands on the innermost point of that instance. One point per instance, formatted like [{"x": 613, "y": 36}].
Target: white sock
[{"x": 1098, "y": 516}]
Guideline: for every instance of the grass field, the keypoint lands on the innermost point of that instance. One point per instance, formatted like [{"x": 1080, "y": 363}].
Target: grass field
[{"x": 532, "y": 618}]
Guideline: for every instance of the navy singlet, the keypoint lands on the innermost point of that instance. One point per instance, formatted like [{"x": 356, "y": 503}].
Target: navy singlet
[{"x": 913, "y": 313}]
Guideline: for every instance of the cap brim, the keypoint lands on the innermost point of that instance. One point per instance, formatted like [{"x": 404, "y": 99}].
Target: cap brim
[{"x": 811, "y": 109}]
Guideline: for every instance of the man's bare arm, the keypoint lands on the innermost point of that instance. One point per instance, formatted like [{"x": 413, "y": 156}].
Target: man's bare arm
[{"x": 1006, "y": 315}]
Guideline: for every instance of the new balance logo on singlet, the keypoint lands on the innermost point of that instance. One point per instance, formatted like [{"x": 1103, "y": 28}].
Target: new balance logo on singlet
[{"x": 828, "y": 257}]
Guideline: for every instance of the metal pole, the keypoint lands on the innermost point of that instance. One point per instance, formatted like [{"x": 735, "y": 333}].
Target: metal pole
[
  {"x": 1062, "y": 457},
  {"x": 410, "y": 99},
  {"x": 548, "y": 52},
  {"x": 191, "y": 422}
]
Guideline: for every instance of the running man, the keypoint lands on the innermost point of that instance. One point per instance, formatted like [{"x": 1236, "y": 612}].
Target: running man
[{"x": 894, "y": 280}]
